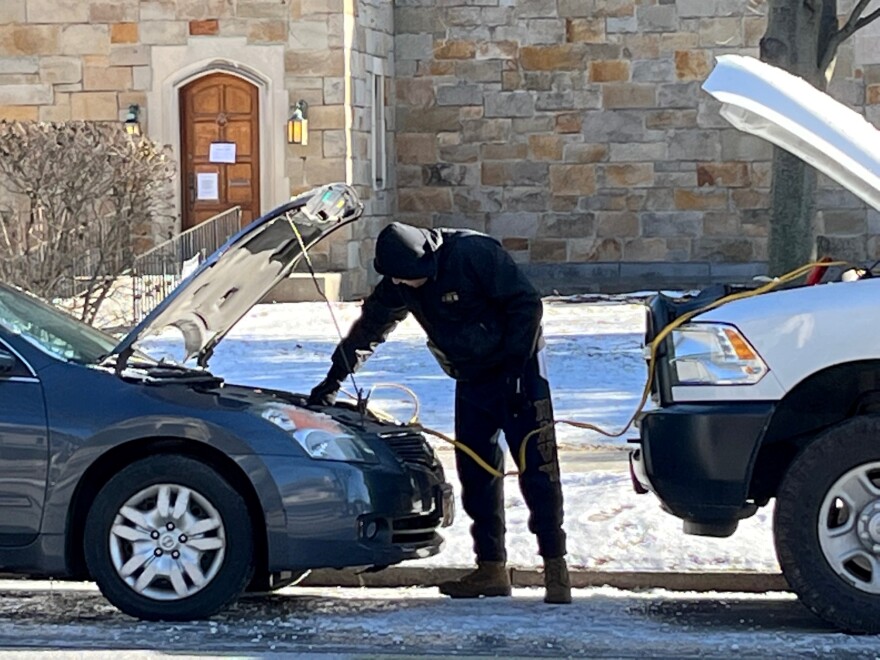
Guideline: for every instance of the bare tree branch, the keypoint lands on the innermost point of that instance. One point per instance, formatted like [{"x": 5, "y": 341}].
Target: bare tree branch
[{"x": 853, "y": 24}]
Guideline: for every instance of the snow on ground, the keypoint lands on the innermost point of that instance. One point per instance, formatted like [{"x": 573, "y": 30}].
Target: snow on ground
[{"x": 597, "y": 375}]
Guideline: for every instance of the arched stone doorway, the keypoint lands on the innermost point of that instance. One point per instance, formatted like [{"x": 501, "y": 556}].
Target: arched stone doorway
[{"x": 219, "y": 148}]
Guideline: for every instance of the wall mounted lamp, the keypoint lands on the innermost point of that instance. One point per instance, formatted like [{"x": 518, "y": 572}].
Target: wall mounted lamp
[
  {"x": 298, "y": 124},
  {"x": 132, "y": 125}
]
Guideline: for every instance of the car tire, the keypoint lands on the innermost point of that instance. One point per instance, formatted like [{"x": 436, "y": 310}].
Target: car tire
[
  {"x": 827, "y": 523},
  {"x": 167, "y": 538}
]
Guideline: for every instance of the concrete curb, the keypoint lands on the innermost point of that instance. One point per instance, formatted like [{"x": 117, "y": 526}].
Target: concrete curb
[{"x": 744, "y": 581}]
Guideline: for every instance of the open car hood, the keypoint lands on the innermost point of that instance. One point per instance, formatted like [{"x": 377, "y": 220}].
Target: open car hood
[
  {"x": 208, "y": 303},
  {"x": 786, "y": 110}
]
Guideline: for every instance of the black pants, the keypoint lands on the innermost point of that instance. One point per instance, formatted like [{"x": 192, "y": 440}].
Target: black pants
[{"x": 482, "y": 411}]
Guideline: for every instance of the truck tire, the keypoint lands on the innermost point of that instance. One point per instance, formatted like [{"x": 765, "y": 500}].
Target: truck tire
[
  {"x": 827, "y": 525},
  {"x": 169, "y": 539}
]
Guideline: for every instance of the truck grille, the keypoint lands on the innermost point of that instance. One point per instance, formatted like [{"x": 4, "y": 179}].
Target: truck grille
[{"x": 411, "y": 448}]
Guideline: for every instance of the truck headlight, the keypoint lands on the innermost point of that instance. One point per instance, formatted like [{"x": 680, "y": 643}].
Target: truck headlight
[
  {"x": 714, "y": 354},
  {"x": 319, "y": 435}
]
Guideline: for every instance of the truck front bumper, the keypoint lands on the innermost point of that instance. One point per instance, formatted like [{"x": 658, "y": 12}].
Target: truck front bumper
[{"x": 697, "y": 459}]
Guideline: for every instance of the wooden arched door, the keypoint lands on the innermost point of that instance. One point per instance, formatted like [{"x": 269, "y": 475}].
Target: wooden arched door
[{"x": 220, "y": 143}]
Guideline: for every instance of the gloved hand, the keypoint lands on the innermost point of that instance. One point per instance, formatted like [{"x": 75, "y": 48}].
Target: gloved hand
[
  {"x": 517, "y": 400},
  {"x": 324, "y": 393}
]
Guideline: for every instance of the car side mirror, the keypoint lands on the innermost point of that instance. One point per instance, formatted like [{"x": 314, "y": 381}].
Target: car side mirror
[{"x": 7, "y": 361}]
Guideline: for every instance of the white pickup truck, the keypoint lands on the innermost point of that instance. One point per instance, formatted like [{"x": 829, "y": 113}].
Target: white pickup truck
[{"x": 778, "y": 395}]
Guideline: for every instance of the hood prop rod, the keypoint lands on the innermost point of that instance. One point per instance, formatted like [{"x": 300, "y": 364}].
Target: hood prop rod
[{"x": 362, "y": 400}]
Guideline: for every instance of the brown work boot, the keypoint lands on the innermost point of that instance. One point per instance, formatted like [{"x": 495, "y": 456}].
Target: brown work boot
[
  {"x": 490, "y": 579},
  {"x": 557, "y": 584}
]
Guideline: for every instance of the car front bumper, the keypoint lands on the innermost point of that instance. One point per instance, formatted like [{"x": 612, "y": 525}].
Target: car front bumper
[
  {"x": 697, "y": 458},
  {"x": 338, "y": 515}
]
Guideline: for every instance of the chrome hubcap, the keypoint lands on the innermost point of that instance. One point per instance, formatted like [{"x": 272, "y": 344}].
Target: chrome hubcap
[
  {"x": 849, "y": 527},
  {"x": 167, "y": 542}
]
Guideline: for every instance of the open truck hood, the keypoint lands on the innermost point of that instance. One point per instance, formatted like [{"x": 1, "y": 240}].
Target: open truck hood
[
  {"x": 208, "y": 303},
  {"x": 786, "y": 110}
]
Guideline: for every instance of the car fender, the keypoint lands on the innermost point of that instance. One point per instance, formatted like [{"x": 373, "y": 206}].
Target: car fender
[{"x": 141, "y": 436}]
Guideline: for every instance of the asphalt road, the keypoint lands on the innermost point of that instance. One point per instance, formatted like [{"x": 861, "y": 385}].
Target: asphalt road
[{"x": 71, "y": 620}]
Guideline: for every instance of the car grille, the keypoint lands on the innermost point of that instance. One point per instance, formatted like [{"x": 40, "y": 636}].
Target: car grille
[
  {"x": 411, "y": 448},
  {"x": 414, "y": 529}
]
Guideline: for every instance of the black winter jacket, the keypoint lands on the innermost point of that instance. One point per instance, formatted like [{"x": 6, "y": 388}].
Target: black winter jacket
[{"x": 481, "y": 314}]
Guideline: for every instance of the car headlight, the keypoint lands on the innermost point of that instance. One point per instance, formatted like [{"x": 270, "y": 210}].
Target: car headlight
[
  {"x": 714, "y": 354},
  {"x": 319, "y": 435}
]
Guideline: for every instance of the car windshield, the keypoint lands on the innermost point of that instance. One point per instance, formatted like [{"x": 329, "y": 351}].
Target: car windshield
[{"x": 52, "y": 330}]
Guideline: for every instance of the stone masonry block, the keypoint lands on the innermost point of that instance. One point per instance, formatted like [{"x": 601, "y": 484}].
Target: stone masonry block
[
  {"x": 416, "y": 148},
  {"x": 267, "y": 32},
  {"x": 10, "y": 65},
  {"x": 414, "y": 46},
  {"x": 164, "y": 33},
  {"x": 12, "y": 11},
  {"x": 730, "y": 175},
  {"x": 513, "y": 174},
  {"x": 308, "y": 63},
  {"x": 85, "y": 40},
  {"x": 689, "y": 200},
  {"x": 114, "y": 78},
  {"x": 692, "y": 64},
  {"x": 130, "y": 55},
  {"x": 510, "y": 104},
  {"x": 97, "y": 106},
  {"x": 429, "y": 120},
  {"x": 635, "y": 95},
  {"x": 19, "y": 112},
  {"x": 653, "y": 71},
  {"x": 546, "y": 147},
  {"x": 460, "y": 95},
  {"x": 417, "y": 20},
  {"x": 142, "y": 78},
  {"x": 617, "y": 224},
  {"x": 609, "y": 71},
  {"x": 697, "y": 8},
  {"x": 25, "y": 94},
  {"x": 566, "y": 57},
  {"x": 309, "y": 35},
  {"x": 695, "y": 145},
  {"x": 573, "y": 179},
  {"x": 206, "y": 28},
  {"x": 736, "y": 145},
  {"x": 657, "y": 18},
  {"x": 585, "y": 30},
  {"x": 631, "y": 175},
  {"x": 455, "y": 50},
  {"x": 124, "y": 33},
  {"x": 424, "y": 199},
  {"x": 17, "y": 39},
  {"x": 524, "y": 225},
  {"x": 114, "y": 11},
  {"x": 721, "y": 32},
  {"x": 487, "y": 71},
  {"x": 57, "y": 11},
  {"x": 672, "y": 224}
]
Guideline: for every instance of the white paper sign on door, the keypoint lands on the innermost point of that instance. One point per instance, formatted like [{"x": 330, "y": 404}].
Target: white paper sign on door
[
  {"x": 208, "y": 186},
  {"x": 222, "y": 152}
]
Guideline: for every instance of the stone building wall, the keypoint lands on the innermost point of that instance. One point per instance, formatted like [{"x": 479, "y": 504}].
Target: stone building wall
[
  {"x": 576, "y": 132},
  {"x": 92, "y": 59}
]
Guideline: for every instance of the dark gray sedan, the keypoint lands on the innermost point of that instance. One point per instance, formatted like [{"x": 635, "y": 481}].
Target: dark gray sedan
[{"x": 176, "y": 491}]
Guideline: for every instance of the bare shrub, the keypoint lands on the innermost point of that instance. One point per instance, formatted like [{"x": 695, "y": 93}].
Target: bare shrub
[{"x": 84, "y": 197}]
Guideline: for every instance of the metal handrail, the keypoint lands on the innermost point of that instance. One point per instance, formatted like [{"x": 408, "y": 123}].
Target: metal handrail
[{"x": 158, "y": 271}]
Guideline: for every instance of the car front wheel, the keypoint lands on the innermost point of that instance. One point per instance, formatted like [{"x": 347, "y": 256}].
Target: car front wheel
[
  {"x": 169, "y": 539},
  {"x": 827, "y": 525}
]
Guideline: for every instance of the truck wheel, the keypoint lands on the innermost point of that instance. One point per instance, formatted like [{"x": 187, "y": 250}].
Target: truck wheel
[
  {"x": 827, "y": 525},
  {"x": 168, "y": 539}
]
